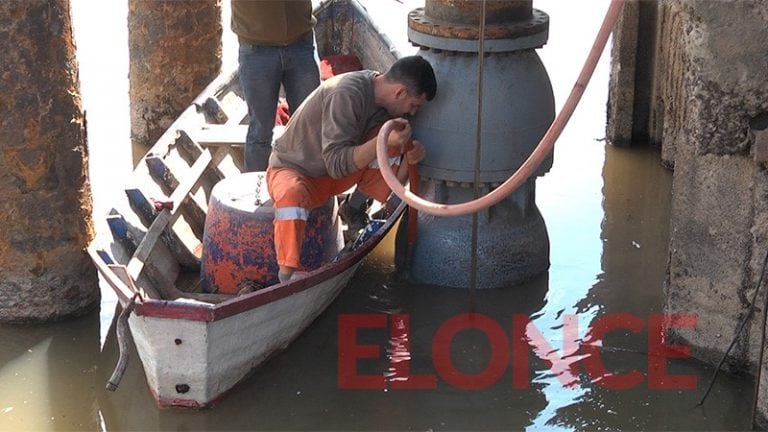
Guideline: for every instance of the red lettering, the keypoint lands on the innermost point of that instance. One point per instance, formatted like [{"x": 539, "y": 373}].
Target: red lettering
[
  {"x": 525, "y": 338},
  {"x": 593, "y": 362},
  {"x": 565, "y": 371},
  {"x": 349, "y": 351},
  {"x": 659, "y": 352},
  {"x": 400, "y": 358}
]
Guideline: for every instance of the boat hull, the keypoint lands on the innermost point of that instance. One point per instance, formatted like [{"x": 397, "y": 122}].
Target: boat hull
[
  {"x": 193, "y": 363},
  {"x": 196, "y": 346}
]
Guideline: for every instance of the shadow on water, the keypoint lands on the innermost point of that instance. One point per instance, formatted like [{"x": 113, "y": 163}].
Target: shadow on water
[{"x": 49, "y": 375}]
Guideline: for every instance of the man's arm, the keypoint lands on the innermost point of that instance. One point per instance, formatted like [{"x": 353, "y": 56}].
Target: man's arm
[
  {"x": 413, "y": 156},
  {"x": 365, "y": 153}
]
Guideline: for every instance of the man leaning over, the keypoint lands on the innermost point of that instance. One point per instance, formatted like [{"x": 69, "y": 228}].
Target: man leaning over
[{"x": 326, "y": 148}]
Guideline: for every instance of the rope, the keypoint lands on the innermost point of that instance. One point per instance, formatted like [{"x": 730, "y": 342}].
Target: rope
[
  {"x": 543, "y": 149},
  {"x": 478, "y": 152}
]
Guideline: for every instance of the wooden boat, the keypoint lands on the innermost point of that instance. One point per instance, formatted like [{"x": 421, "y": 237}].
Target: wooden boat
[{"x": 194, "y": 346}]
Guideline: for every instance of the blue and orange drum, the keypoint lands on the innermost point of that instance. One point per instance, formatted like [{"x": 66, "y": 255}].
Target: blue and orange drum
[{"x": 238, "y": 241}]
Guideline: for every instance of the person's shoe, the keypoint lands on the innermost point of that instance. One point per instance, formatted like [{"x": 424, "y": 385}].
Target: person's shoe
[
  {"x": 292, "y": 277},
  {"x": 388, "y": 208},
  {"x": 355, "y": 218},
  {"x": 298, "y": 275},
  {"x": 248, "y": 286}
]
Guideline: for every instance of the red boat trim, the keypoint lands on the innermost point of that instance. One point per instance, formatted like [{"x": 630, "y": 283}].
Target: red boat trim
[
  {"x": 171, "y": 309},
  {"x": 165, "y": 402},
  {"x": 177, "y": 402}
]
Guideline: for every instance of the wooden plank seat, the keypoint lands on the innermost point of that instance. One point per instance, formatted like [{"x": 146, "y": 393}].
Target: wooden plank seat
[{"x": 211, "y": 135}]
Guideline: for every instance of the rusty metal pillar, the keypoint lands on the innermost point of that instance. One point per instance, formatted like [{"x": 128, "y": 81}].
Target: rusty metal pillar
[
  {"x": 469, "y": 11},
  {"x": 46, "y": 224},
  {"x": 175, "y": 52}
]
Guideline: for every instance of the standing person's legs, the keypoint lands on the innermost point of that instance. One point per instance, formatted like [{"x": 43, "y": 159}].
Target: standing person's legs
[
  {"x": 260, "y": 74},
  {"x": 301, "y": 71}
]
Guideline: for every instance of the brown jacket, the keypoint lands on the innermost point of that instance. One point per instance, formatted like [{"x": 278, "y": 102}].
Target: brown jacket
[
  {"x": 271, "y": 22},
  {"x": 321, "y": 135}
]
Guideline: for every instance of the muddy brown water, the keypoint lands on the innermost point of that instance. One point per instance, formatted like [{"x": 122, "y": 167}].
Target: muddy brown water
[{"x": 607, "y": 212}]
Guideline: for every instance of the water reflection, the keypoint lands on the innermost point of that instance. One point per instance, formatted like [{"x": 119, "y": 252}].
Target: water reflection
[
  {"x": 49, "y": 375},
  {"x": 299, "y": 390},
  {"x": 606, "y": 211}
]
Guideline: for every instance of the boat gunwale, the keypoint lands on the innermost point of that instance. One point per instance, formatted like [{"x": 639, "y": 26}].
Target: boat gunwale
[{"x": 201, "y": 311}]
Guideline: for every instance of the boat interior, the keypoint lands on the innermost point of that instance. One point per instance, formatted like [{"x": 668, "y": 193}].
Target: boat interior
[{"x": 172, "y": 186}]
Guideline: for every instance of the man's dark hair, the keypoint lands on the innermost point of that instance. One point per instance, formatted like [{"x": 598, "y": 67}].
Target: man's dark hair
[{"x": 416, "y": 74}]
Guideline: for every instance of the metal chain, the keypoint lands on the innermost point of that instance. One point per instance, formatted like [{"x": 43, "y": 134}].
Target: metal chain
[{"x": 260, "y": 178}]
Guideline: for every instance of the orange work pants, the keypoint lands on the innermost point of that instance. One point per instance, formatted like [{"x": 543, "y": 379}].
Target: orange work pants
[{"x": 294, "y": 195}]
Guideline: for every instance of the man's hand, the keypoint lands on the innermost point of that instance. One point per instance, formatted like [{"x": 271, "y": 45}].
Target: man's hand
[
  {"x": 415, "y": 154},
  {"x": 399, "y": 137},
  {"x": 400, "y": 134}
]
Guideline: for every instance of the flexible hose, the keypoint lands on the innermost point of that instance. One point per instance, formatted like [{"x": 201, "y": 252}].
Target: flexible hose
[
  {"x": 123, "y": 335},
  {"x": 528, "y": 167}
]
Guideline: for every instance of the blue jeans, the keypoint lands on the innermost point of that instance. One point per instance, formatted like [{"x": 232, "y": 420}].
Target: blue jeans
[{"x": 263, "y": 69}]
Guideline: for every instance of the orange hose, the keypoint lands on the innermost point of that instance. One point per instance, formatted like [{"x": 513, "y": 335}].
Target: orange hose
[{"x": 528, "y": 167}]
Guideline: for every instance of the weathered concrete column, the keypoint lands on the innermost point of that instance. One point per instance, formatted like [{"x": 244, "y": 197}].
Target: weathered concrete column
[
  {"x": 175, "y": 51},
  {"x": 719, "y": 220},
  {"x": 646, "y": 99},
  {"x": 707, "y": 105},
  {"x": 634, "y": 77},
  {"x": 46, "y": 212},
  {"x": 621, "y": 93},
  {"x": 669, "y": 100}
]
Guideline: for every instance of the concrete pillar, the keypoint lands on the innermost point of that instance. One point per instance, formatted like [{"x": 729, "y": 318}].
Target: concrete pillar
[
  {"x": 647, "y": 101},
  {"x": 719, "y": 220},
  {"x": 634, "y": 79},
  {"x": 46, "y": 213},
  {"x": 706, "y": 103},
  {"x": 621, "y": 92},
  {"x": 175, "y": 51}
]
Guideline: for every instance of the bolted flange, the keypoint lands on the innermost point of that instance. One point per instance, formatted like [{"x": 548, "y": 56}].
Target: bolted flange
[{"x": 454, "y": 25}]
